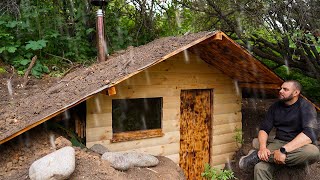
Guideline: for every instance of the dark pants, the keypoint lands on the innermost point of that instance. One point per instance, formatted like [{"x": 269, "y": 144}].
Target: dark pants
[{"x": 302, "y": 156}]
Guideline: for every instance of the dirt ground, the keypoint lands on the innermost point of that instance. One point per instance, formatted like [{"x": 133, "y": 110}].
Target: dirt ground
[{"x": 18, "y": 154}]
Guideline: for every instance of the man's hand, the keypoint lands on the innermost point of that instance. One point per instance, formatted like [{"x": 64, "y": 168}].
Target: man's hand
[
  {"x": 279, "y": 158},
  {"x": 264, "y": 154}
]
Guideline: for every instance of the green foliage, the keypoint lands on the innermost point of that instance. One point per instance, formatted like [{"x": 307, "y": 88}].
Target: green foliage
[
  {"x": 238, "y": 136},
  {"x": 2, "y": 70},
  {"x": 36, "y": 45},
  {"x": 217, "y": 174}
]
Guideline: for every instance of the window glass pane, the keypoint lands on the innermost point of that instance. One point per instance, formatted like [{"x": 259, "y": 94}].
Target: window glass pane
[{"x": 136, "y": 114}]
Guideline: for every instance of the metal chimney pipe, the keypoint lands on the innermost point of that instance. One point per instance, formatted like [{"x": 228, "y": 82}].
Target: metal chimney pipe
[{"x": 101, "y": 43}]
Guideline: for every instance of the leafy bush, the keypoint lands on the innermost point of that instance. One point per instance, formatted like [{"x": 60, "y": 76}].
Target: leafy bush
[
  {"x": 238, "y": 136},
  {"x": 217, "y": 174}
]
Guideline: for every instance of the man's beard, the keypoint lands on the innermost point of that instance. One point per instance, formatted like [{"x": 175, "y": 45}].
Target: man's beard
[{"x": 286, "y": 99}]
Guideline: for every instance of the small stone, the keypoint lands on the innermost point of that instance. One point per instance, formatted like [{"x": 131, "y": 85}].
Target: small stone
[
  {"x": 9, "y": 165},
  {"x": 100, "y": 149},
  {"x": 15, "y": 161},
  {"x": 255, "y": 143}
]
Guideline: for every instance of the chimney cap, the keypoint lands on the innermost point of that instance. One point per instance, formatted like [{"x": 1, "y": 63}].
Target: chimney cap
[{"x": 99, "y": 2}]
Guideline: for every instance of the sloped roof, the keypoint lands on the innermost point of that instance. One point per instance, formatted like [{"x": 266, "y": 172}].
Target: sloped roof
[{"x": 28, "y": 108}]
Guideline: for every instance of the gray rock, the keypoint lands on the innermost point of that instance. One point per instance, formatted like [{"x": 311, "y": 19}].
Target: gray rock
[
  {"x": 55, "y": 166},
  {"x": 255, "y": 143},
  {"x": 100, "y": 149},
  {"x": 125, "y": 160}
]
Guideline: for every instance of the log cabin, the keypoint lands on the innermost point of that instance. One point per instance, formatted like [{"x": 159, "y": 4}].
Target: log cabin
[
  {"x": 186, "y": 106},
  {"x": 178, "y": 97}
]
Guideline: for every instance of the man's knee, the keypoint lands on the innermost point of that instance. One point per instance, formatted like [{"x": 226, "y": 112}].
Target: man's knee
[
  {"x": 263, "y": 170},
  {"x": 311, "y": 151},
  {"x": 261, "y": 166}
]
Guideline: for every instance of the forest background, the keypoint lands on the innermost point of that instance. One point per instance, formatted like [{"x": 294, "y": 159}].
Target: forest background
[{"x": 283, "y": 34}]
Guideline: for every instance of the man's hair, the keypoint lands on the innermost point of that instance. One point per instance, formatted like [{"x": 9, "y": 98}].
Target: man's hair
[{"x": 296, "y": 84}]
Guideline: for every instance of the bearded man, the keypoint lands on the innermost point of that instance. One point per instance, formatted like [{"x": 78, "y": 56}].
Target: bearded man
[{"x": 295, "y": 120}]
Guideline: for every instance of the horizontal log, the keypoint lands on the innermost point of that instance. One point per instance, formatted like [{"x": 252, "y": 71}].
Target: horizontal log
[
  {"x": 221, "y": 159},
  {"x": 223, "y": 149},
  {"x": 98, "y": 133},
  {"x": 226, "y": 98},
  {"x": 169, "y": 126},
  {"x": 259, "y": 86},
  {"x": 226, "y": 108},
  {"x": 134, "y": 135},
  {"x": 99, "y": 120},
  {"x": 222, "y": 139},
  {"x": 225, "y": 128},
  {"x": 220, "y": 119},
  {"x": 161, "y": 150},
  {"x": 168, "y": 138}
]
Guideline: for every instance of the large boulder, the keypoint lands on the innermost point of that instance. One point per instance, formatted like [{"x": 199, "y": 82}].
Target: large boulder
[
  {"x": 58, "y": 165},
  {"x": 124, "y": 160}
]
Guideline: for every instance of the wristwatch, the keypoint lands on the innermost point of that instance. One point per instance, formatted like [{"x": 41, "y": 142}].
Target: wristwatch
[{"x": 283, "y": 150}]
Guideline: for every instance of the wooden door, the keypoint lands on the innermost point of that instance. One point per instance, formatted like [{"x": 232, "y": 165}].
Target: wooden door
[{"x": 195, "y": 120}]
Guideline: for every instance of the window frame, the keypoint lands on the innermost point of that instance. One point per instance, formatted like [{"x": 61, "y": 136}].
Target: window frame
[{"x": 138, "y": 134}]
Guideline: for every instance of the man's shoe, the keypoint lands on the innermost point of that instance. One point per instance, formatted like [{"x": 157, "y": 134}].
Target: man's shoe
[{"x": 249, "y": 161}]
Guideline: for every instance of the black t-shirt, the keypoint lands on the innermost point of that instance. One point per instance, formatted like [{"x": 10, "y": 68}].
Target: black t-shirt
[{"x": 291, "y": 120}]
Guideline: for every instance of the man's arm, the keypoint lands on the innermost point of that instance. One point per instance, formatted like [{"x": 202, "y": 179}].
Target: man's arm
[
  {"x": 299, "y": 141},
  {"x": 263, "y": 152}
]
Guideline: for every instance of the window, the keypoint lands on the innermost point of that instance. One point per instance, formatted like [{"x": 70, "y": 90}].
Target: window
[{"x": 136, "y": 118}]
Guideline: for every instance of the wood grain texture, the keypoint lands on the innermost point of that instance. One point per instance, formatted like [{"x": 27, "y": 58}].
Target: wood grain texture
[
  {"x": 134, "y": 135},
  {"x": 196, "y": 114}
]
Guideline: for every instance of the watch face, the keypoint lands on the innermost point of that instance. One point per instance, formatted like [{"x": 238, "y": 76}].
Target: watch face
[{"x": 283, "y": 150}]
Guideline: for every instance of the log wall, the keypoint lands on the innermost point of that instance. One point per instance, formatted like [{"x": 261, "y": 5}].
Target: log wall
[{"x": 166, "y": 79}]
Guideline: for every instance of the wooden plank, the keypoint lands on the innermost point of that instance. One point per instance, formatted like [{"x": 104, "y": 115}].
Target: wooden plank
[
  {"x": 169, "y": 126},
  {"x": 168, "y": 138},
  {"x": 227, "y": 98},
  {"x": 223, "y": 139},
  {"x": 221, "y": 159},
  {"x": 220, "y": 119},
  {"x": 98, "y": 133},
  {"x": 111, "y": 91},
  {"x": 99, "y": 120},
  {"x": 176, "y": 79},
  {"x": 99, "y": 104},
  {"x": 223, "y": 149},
  {"x": 161, "y": 150},
  {"x": 227, "y": 108},
  {"x": 174, "y": 157},
  {"x": 225, "y": 128},
  {"x": 176, "y": 64},
  {"x": 135, "y": 135},
  {"x": 143, "y": 91},
  {"x": 195, "y": 131},
  {"x": 252, "y": 59},
  {"x": 219, "y": 166},
  {"x": 259, "y": 86},
  {"x": 171, "y": 102},
  {"x": 170, "y": 114}
]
